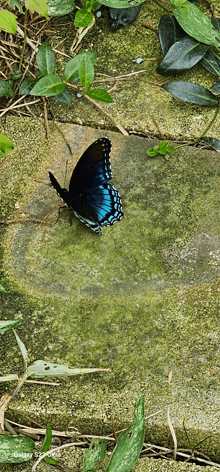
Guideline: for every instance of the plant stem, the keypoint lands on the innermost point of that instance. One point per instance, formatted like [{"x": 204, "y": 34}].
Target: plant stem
[
  {"x": 162, "y": 6},
  {"x": 25, "y": 40},
  {"x": 211, "y": 123}
]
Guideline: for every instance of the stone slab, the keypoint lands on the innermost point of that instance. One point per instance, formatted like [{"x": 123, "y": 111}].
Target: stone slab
[{"x": 142, "y": 299}]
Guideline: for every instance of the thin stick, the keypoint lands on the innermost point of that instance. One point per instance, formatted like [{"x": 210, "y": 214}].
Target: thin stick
[
  {"x": 46, "y": 117},
  {"x": 116, "y": 123}
]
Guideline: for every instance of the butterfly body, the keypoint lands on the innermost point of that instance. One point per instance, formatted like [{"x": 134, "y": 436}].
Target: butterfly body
[{"x": 94, "y": 201}]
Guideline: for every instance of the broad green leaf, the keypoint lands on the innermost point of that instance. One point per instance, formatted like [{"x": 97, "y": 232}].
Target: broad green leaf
[
  {"x": 191, "y": 93},
  {"x": 152, "y": 151},
  {"x": 6, "y": 145},
  {"x": 60, "y": 7},
  {"x": 15, "y": 449},
  {"x": 86, "y": 71},
  {"x": 46, "y": 59},
  {"x": 8, "y": 21},
  {"x": 83, "y": 18},
  {"x": 182, "y": 55},
  {"x": 216, "y": 23},
  {"x": 100, "y": 95},
  {"x": 21, "y": 347},
  {"x": 94, "y": 454},
  {"x": 128, "y": 448},
  {"x": 169, "y": 32},
  {"x": 26, "y": 86},
  {"x": 15, "y": 3},
  {"x": 39, "y": 6},
  {"x": 197, "y": 25},
  {"x": 121, "y": 3},
  {"x": 214, "y": 143},
  {"x": 9, "y": 378},
  {"x": 41, "y": 369},
  {"x": 211, "y": 63},
  {"x": 71, "y": 73},
  {"x": 64, "y": 97},
  {"x": 48, "y": 86},
  {"x": 5, "y": 89},
  {"x": 5, "y": 325}
]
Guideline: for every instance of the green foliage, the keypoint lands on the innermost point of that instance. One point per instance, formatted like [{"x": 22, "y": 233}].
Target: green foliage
[
  {"x": 163, "y": 148},
  {"x": 83, "y": 18},
  {"x": 39, "y": 6},
  {"x": 15, "y": 3},
  {"x": 2, "y": 286},
  {"x": 8, "y": 21},
  {"x": 49, "y": 84},
  {"x": 60, "y": 7},
  {"x": 5, "y": 325},
  {"x": 46, "y": 444},
  {"x": 121, "y": 3},
  {"x": 14, "y": 450},
  {"x": 6, "y": 146},
  {"x": 127, "y": 449},
  {"x": 196, "y": 24}
]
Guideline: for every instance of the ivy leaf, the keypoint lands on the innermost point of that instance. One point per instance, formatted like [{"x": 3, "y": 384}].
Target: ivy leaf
[
  {"x": 71, "y": 73},
  {"x": 60, "y": 7},
  {"x": 86, "y": 71},
  {"x": 8, "y": 21},
  {"x": 182, "y": 55},
  {"x": 48, "y": 86},
  {"x": 6, "y": 145},
  {"x": 100, "y": 95},
  {"x": 191, "y": 93},
  {"x": 26, "y": 86},
  {"x": 64, "y": 97},
  {"x": 39, "y": 6},
  {"x": 83, "y": 18},
  {"x": 197, "y": 25},
  {"x": 15, "y": 3},
  {"x": 46, "y": 59}
]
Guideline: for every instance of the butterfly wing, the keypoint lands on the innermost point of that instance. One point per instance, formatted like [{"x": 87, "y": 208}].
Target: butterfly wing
[
  {"x": 106, "y": 203},
  {"x": 93, "y": 168},
  {"x": 95, "y": 202}
]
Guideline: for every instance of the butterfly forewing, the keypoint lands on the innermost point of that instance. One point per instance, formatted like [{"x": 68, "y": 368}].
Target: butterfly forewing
[{"x": 93, "y": 168}]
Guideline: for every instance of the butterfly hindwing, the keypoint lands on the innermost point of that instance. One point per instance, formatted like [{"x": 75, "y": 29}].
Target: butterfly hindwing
[{"x": 95, "y": 202}]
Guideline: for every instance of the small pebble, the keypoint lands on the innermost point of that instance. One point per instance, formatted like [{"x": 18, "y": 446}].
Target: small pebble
[
  {"x": 79, "y": 95},
  {"x": 98, "y": 14},
  {"x": 139, "y": 60}
]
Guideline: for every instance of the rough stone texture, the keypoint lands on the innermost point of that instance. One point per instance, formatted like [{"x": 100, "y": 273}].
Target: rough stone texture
[
  {"x": 139, "y": 103},
  {"x": 142, "y": 299}
]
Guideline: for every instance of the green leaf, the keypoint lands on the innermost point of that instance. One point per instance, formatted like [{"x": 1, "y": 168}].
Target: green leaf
[
  {"x": 5, "y": 325},
  {"x": 26, "y": 86},
  {"x": 182, "y": 55},
  {"x": 211, "y": 63},
  {"x": 48, "y": 86},
  {"x": 83, "y": 18},
  {"x": 197, "y": 25},
  {"x": 191, "y": 93},
  {"x": 21, "y": 347},
  {"x": 94, "y": 454},
  {"x": 15, "y": 449},
  {"x": 121, "y": 3},
  {"x": 8, "y": 21},
  {"x": 127, "y": 449},
  {"x": 100, "y": 95},
  {"x": 41, "y": 368},
  {"x": 216, "y": 88},
  {"x": 39, "y": 6},
  {"x": 60, "y": 7},
  {"x": 71, "y": 73},
  {"x": 47, "y": 440},
  {"x": 64, "y": 97},
  {"x": 5, "y": 89},
  {"x": 152, "y": 151},
  {"x": 214, "y": 143},
  {"x": 6, "y": 146},
  {"x": 86, "y": 71},
  {"x": 46, "y": 59},
  {"x": 15, "y": 3}
]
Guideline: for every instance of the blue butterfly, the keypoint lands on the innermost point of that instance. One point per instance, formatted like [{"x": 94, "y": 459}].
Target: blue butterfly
[{"x": 95, "y": 202}]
